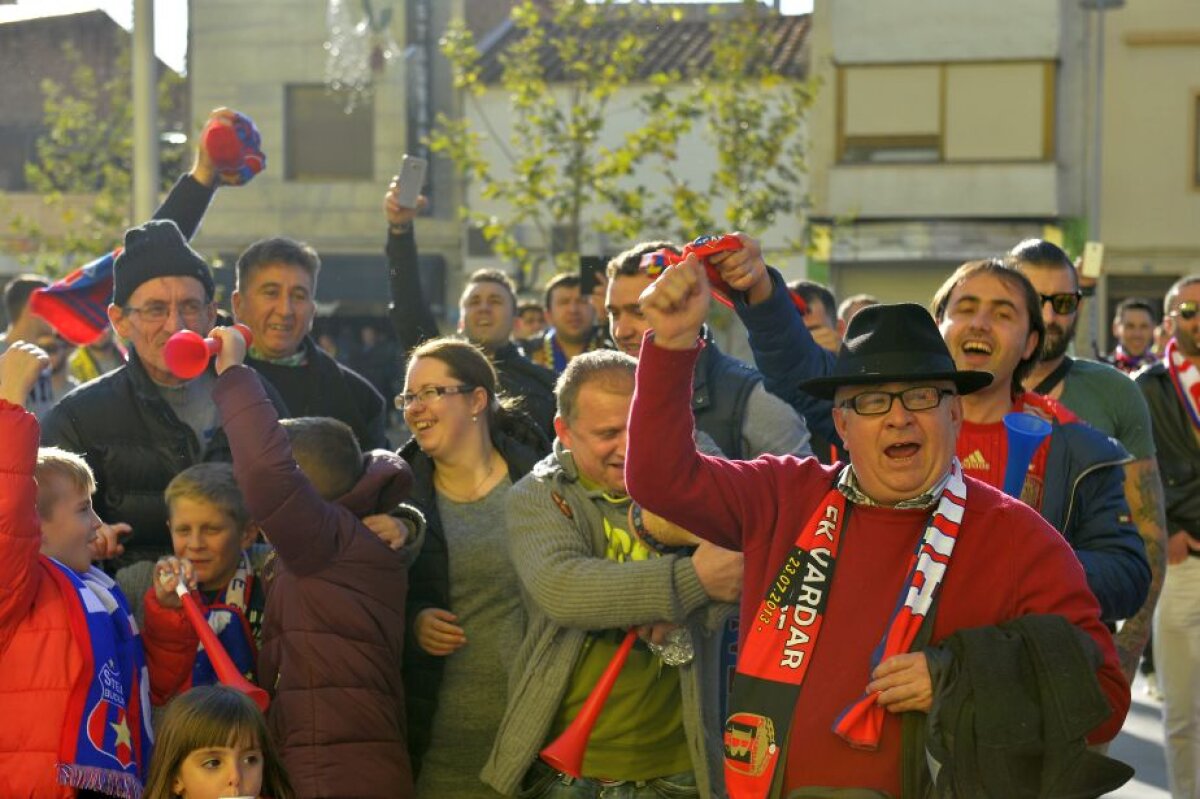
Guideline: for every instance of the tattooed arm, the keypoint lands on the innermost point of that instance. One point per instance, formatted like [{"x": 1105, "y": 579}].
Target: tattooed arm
[{"x": 1144, "y": 492}]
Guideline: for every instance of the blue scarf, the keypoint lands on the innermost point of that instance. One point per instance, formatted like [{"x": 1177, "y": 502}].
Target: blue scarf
[
  {"x": 107, "y": 737},
  {"x": 233, "y": 620}
]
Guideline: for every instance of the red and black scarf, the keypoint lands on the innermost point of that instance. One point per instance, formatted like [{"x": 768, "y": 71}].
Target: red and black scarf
[{"x": 780, "y": 644}]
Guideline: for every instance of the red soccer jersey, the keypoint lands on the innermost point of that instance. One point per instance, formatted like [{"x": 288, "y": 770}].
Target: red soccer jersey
[{"x": 983, "y": 448}]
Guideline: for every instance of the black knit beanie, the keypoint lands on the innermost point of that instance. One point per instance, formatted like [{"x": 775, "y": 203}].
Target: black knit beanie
[{"x": 156, "y": 249}]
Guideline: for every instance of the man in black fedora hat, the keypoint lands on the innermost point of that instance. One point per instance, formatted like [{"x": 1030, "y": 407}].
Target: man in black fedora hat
[
  {"x": 988, "y": 315},
  {"x": 914, "y": 578}
]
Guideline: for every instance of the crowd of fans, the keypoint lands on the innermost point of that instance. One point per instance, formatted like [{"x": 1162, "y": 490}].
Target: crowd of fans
[{"x": 427, "y": 619}]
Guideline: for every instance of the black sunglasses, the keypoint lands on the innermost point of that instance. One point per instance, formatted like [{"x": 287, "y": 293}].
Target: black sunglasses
[
  {"x": 1065, "y": 303},
  {"x": 1186, "y": 311}
]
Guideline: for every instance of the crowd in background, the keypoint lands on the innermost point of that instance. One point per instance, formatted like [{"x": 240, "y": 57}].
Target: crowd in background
[{"x": 427, "y": 615}]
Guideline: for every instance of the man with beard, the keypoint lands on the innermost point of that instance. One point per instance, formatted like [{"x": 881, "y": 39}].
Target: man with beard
[
  {"x": 1107, "y": 400},
  {"x": 1172, "y": 389}
]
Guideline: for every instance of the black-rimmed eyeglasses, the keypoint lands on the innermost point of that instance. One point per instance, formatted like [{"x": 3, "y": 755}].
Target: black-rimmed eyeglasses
[{"x": 877, "y": 403}]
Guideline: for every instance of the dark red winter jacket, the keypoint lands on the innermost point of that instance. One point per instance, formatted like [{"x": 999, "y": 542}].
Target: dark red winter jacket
[{"x": 333, "y": 630}]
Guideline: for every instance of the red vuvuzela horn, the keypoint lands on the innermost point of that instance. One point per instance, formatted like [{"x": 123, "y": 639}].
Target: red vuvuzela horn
[
  {"x": 222, "y": 664},
  {"x": 565, "y": 753},
  {"x": 187, "y": 352}
]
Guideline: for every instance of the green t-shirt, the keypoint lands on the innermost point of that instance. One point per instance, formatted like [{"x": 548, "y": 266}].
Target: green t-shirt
[
  {"x": 1109, "y": 400},
  {"x": 639, "y": 734}
]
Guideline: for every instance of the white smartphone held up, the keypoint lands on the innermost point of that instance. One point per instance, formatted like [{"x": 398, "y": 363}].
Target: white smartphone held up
[
  {"x": 412, "y": 178},
  {"x": 1093, "y": 260}
]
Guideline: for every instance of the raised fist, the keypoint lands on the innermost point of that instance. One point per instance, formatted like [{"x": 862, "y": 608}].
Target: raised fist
[{"x": 20, "y": 366}]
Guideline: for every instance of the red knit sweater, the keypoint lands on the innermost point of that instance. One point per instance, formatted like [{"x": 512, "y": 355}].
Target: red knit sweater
[{"x": 1007, "y": 563}]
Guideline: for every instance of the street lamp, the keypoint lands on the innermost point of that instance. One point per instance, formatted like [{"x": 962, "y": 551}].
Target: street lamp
[{"x": 145, "y": 113}]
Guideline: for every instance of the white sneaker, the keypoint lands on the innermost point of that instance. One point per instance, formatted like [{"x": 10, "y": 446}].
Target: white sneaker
[{"x": 1151, "y": 687}]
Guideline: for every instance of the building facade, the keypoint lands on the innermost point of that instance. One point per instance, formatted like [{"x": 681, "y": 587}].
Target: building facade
[
  {"x": 33, "y": 51},
  {"x": 1150, "y": 194},
  {"x": 327, "y": 167},
  {"x": 945, "y": 130}
]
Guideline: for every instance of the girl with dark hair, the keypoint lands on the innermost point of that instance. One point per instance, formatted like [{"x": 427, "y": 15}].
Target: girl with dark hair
[{"x": 464, "y": 607}]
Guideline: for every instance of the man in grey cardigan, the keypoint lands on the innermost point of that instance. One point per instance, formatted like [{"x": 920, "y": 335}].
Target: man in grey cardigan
[{"x": 586, "y": 578}]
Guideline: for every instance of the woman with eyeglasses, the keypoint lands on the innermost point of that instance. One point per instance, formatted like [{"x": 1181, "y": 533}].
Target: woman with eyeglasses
[{"x": 464, "y": 607}]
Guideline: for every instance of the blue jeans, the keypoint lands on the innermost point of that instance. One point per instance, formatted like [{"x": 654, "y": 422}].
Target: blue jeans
[{"x": 543, "y": 782}]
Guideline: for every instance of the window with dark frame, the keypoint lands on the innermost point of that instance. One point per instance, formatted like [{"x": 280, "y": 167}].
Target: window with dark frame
[
  {"x": 1196, "y": 140},
  {"x": 946, "y": 112},
  {"x": 323, "y": 141}
]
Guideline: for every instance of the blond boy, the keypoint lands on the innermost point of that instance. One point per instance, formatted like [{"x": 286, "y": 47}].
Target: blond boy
[{"x": 211, "y": 536}]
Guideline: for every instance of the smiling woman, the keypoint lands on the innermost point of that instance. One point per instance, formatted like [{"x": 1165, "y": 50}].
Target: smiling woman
[{"x": 464, "y": 610}]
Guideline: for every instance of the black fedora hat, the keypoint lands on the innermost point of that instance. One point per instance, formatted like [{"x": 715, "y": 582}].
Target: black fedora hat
[{"x": 894, "y": 344}]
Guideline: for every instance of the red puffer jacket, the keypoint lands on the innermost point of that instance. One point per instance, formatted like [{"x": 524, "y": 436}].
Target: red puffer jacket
[
  {"x": 40, "y": 661},
  {"x": 333, "y": 630}
]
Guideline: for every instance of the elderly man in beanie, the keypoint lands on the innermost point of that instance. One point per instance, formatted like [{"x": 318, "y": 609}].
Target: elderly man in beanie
[
  {"x": 140, "y": 425},
  {"x": 943, "y": 609}
]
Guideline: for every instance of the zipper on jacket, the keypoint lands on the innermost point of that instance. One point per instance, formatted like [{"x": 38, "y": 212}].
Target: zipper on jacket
[{"x": 1085, "y": 473}]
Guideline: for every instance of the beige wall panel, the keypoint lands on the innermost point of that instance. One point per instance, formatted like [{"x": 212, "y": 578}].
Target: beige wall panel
[
  {"x": 1150, "y": 206},
  {"x": 884, "y": 101},
  {"x": 944, "y": 190},
  {"x": 994, "y": 111},
  {"x": 900, "y": 282},
  {"x": 884, "y": 31}
]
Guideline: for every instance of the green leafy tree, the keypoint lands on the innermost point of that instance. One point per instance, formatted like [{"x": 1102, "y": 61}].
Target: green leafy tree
[
  {"x": 88, "y": 149},
  {"x": 556, "y": 164},
  {"x": 754, "y": 121}
]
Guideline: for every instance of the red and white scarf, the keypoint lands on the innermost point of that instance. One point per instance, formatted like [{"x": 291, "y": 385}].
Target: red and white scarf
[
  {"x": 1186, "y": 378},
  {"x": 778, "y": 648}
]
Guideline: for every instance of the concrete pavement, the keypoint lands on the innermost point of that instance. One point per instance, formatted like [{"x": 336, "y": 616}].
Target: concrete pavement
[{"x": 1140, "y": 744}]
